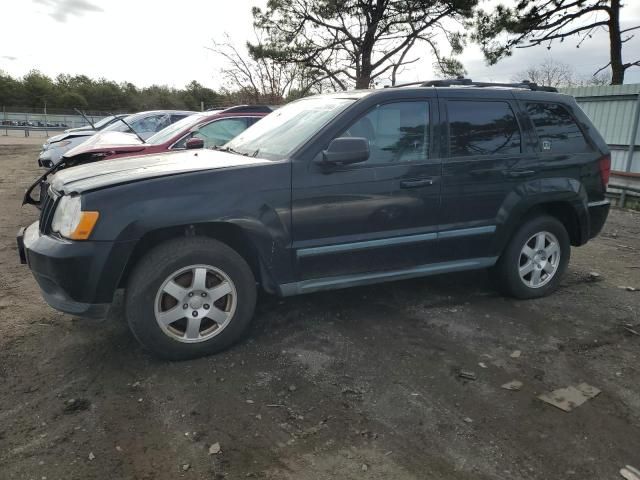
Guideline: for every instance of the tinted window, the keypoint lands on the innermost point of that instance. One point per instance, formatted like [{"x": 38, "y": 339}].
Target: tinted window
[
  {"x": 482, "y": 128},
  {"x": 397, "y": 132},
  {"x": 556, "y": 128}
]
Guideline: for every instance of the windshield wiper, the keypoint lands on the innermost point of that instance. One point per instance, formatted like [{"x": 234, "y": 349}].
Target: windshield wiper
[
  {"x": 255, "y": 154},
  {"x": 131, "y": 128},
  {"x": 231, "y": 150},
  {"x": 86, "y": 118}
]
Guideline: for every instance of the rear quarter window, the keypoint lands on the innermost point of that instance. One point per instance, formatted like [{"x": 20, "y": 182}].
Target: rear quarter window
[
  {"x": 482, "y": 128},
  {"x": 556, "y": 128}
]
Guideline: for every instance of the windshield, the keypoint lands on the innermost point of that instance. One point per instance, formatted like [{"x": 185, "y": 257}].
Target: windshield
[
  {"x": 119, "y": 126},
  {"x": 104, "y": 122},
  {"x": 281, "y": 132},
  {"x": 169, "y": 132}
]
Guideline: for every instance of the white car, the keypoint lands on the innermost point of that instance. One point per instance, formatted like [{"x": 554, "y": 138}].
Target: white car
[
  {"x": 57, "y": 145},
  {"x": 144, "y": 124}
]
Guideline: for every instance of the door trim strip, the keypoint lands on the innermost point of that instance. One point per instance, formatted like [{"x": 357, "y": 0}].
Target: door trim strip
[{"x": 392, "y": 241}]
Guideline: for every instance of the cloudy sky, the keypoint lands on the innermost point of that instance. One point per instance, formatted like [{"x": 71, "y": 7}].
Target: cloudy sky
[{"x": 153, "y": 42}]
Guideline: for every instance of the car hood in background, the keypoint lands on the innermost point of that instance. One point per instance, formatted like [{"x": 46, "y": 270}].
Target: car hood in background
[
  {"x": 75, "y": 134},
  {"x": 108, "y": 141},
  {"x": 93, "y": 176}
]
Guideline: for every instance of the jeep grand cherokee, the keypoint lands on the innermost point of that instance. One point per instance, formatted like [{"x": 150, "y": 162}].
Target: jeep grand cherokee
[{"x": 327, "y": 192}]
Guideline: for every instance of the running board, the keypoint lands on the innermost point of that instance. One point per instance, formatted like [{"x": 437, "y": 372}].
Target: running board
[{"x": 355, "y": 280}]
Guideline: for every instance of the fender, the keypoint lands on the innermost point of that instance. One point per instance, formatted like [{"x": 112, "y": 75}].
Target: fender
[
  {"x": 538, "y": 193},
  {"x": 199, "y": 203}
]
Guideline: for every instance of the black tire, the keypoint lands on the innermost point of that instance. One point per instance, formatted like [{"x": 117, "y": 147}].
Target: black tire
[
  {"x": 505, "y": 274},
  {"x": 157, "y": 266}
]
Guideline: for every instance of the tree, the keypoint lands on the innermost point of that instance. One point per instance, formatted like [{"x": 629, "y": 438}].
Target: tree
[
  {"x": 259, "y": 79},
  {"x": 556, "y": 74},
  {"x": 533, "y": 22},
  {"x": 549, "y": 73},
  {"x": 38, "y": 89},
  {"x": 355, "y": 42}
]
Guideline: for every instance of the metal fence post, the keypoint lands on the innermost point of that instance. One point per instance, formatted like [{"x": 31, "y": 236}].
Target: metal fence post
[{"x": 632, "y": 146}]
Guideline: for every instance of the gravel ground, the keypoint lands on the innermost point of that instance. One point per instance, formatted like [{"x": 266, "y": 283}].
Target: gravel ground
[{"x": 353, "y": 384}]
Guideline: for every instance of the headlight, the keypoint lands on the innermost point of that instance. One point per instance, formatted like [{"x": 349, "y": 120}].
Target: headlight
[{"x": 70, "y": 221}]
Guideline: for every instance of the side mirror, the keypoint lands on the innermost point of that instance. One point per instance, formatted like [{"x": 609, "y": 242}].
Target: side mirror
[
  {"x": 194, "y": 143},
  {"x": 346, "y": 150}
]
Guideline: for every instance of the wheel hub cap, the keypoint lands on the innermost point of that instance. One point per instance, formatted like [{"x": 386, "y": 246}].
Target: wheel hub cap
[
  {"x": 195, "y": 303},
  {"x": 539, "y": 259}
]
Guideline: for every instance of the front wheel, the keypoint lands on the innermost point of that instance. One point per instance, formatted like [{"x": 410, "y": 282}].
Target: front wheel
[
  {"x": 535, "y": 259},
  {"x": 190, "y": 297}
]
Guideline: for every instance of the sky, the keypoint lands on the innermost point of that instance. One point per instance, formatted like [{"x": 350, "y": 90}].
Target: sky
[{"x": 158, "y": 42}]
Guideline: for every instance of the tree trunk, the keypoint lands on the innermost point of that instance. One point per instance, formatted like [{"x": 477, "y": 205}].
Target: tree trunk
[{"x": 615, "y": 44}]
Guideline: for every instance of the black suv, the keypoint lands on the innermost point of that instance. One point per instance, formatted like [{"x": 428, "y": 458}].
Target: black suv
[{"x": 327, "y": 192}]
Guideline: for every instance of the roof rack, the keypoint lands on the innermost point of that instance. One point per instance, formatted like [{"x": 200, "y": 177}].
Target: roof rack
[
  {"x": 248, "y": 109},
  {"x": 467, "y": 82}
]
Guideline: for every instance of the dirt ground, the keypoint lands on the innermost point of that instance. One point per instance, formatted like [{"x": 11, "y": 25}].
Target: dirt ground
[{"x": 353, "y": 384}]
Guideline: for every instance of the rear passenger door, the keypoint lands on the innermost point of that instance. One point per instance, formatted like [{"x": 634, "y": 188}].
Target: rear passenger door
[{"x": 487, "y": 155}]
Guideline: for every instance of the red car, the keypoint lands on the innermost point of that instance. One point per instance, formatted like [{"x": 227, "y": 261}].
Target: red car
[{"x": 200, "y": 130}]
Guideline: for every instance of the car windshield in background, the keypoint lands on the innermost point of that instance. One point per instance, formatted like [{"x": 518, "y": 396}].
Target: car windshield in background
[
  {"x": 281, "y": 132},
  {"x": 168, "y": 132},
  {"x": 105, "y": 121}
]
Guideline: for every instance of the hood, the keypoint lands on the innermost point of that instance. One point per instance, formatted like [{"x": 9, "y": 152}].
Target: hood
[
  {"x": 79, "y": 129},
  {"x": 108, "y": 141},
  {"x": 93, "y": 176},
  {"x": 65, "y": 135}
]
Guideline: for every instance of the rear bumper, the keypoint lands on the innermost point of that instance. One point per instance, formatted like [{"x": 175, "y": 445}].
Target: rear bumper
[
  {"x": 598, "y": 213},
  {"x": 79, "y": 278}
]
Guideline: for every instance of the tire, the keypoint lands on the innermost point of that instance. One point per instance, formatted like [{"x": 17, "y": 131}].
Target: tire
[
  {"x": 506, "y": 273},
  {"x": 191, "y": 321}
]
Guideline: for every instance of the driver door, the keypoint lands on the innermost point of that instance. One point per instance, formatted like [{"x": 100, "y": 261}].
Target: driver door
[{"x": 381, "y": 214}]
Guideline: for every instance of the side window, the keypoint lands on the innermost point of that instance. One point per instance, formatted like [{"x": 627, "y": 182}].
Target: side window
[
  {"x": 482, "y": 128},
  {"x": 177, "y": 117},
  {"x": 217, "y": 132},
  {"x": 556, "y": 129},
  {"x": 397, "y": 132}
]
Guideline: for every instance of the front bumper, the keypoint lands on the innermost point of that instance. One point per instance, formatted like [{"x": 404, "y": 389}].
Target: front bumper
[
  {"x": 79, "y": 278},
  {"x": 598, "y": 213},
  {"x": 48, "y": 158}
]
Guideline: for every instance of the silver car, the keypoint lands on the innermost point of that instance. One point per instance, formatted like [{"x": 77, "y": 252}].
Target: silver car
[
  {"x": 57, "y": 145},
  {"x": 144, "y": 124}
]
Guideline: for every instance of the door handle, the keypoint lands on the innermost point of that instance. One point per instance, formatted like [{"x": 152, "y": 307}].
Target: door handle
[
  {"x": 423, "y": 182},
  {"x": 520, "y": 173}
]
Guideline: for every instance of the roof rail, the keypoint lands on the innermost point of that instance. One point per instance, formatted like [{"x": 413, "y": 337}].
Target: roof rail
[
  {"x": 249, "y": 109},
  {"x": 467, "y": 82}
]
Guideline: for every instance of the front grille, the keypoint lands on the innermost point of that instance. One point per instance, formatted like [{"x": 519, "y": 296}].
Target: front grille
[{"x": 48, "y": 203}]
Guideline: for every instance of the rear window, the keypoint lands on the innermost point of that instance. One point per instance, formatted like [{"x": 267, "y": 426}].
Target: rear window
[
  {"x": 482, "y": 128},
  {"x": 556, "y": 128}
]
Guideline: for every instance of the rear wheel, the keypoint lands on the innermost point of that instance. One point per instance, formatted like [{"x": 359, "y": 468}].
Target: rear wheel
[
  {"x": 190, "y": 297},
  {"x": 535, "y": 259}
]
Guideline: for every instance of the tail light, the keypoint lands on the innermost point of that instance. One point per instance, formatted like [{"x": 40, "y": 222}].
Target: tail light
[{"x": 605, "y": 169}]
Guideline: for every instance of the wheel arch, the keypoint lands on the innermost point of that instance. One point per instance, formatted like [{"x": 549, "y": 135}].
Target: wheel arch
[
  {"x": 569, "y": 208},
  {"x": 228, "y": 233}
]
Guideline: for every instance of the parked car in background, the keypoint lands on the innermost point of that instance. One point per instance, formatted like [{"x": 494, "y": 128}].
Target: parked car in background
[
  {"x": 57, "y": 145},
  {"x": 143, "y": 125},
  {"x": 201, "y": 130},
  {"x": 327, "y": 192}
]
